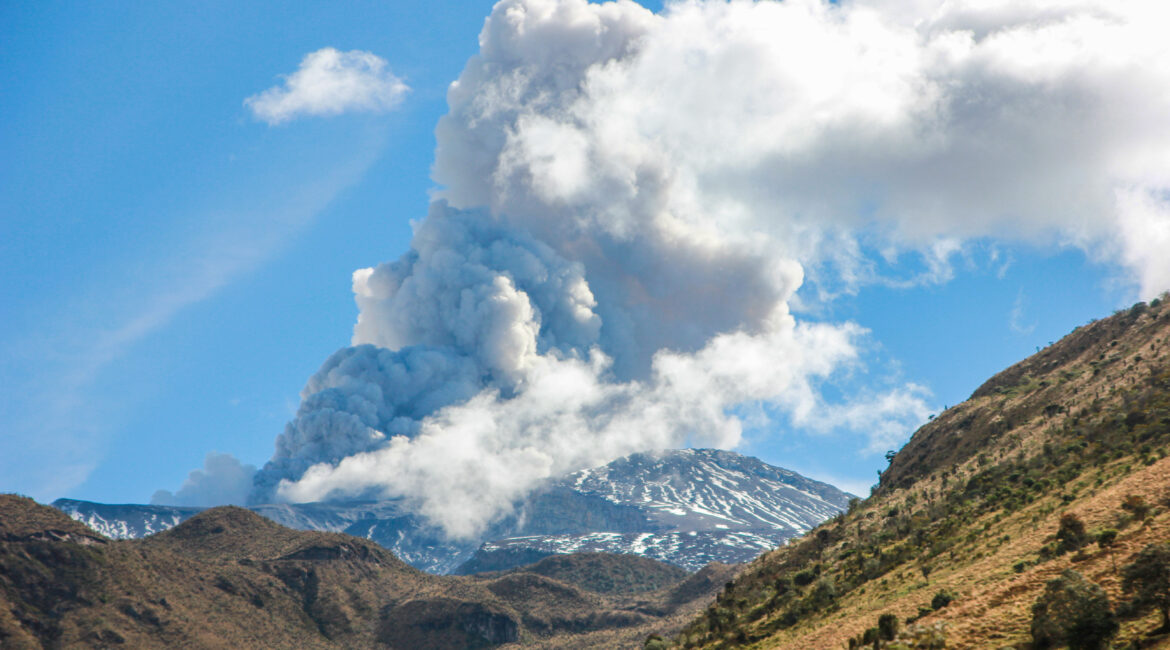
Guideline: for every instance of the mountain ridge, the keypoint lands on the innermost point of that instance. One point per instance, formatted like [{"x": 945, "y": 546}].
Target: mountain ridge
[
  {"x": 685, "y": 507},
  {"x": 230, "y": 577},
  {"x": 982, "y": 508}
]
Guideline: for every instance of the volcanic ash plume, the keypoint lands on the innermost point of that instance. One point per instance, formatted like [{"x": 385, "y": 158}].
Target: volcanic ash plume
[{"x": 630, "y": 202}]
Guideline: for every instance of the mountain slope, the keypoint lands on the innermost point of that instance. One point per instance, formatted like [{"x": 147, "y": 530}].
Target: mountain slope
[
  {"x": 228, "y": 577},
  {"x": 704, "y": 489},
  {"x": 985, "y": 505},
  {"x": 685, "y": 507}
]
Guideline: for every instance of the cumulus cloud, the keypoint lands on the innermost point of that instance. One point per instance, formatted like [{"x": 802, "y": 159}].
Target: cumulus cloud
[
  {"x": 223, "y": 480},
  {"x": 330, "y": 82},
  {"x": 629, "y": 202},
  {"x": 905, "y": 121}
]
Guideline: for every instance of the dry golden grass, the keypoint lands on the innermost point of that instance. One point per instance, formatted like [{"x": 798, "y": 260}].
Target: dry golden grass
[
  {"x": 1093, "y": 411},
  {"x": 993, "y": 608}
]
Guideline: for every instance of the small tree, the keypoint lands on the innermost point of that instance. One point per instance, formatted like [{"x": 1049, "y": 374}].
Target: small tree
[
  {"x": 804, "y": 578},
  {"x": 1071, "y": 533},
  {"x": 1075, "y": 612},
  {"x": 871, "y": 637},
  {"x": 1136, "y": 504},
  {"x": 823, "y": 594},
  {"x": 925, "y": 569},
  {"x": 888, "y": 627},
  {"x": 941, "y": 600},
  {"x": 1148, "y": 577},
  {"x": 823, "y": 539},
  {"x": 1105, "y": 540}
]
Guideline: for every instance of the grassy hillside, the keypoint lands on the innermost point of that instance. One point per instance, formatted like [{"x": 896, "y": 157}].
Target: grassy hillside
[
  {"x": 228, "y": 577},
  {"x": 965, "y": 529}
]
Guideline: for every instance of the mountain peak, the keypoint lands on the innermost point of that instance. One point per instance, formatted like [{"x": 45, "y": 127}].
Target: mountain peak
[{"x": 227, "y": 531}]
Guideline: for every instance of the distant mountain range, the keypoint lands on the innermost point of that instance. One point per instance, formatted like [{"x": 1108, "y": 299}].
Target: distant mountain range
[
  {"x": 684, "y": 507},
  {"x": 228, "y": 578}
]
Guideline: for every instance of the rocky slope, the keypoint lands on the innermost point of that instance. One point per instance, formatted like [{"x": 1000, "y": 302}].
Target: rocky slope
[
  {"x": 227, "y": 577},
  {"x": 685, "y": 507},
  {"x": 982, "y": 508}
]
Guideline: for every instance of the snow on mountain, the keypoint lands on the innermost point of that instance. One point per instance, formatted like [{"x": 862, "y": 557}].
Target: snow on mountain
[
  {"x": 698, "y": 505},
  {"x": 387, "y": 523},
  {"x": 701, "y": 489},
  {"x": 686, "y": 507},
  {"x": 125, "y": 521}
]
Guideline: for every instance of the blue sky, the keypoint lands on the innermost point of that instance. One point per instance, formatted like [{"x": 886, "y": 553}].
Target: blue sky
[{"x": 174, "y": 269}]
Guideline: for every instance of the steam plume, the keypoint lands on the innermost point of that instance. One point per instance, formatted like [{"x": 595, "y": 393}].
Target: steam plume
[{"x": 631, "y": 200}]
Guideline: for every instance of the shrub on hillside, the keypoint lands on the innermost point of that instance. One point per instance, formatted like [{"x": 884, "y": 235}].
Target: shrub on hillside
[
  {"x": 1105, "y": 541},
  {"x": 804, "y": 578},
  {"x": 655, "y": 642},
  {"x": 823, "y": 594},
  {"x": 1148, "y": 578},
  {"x": 888, "y": 626},
  {"x": 941, "y": 600},
  {"x": 1075, "y": 612},
  {"x": 1071, "y": 534},
  {"x": 1136, "y": 504}
]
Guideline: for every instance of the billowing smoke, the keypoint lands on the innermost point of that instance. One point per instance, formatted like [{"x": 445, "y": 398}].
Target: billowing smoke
[
  {"x": 630, "y": 201},
  {"x": 223, "y": 480}
]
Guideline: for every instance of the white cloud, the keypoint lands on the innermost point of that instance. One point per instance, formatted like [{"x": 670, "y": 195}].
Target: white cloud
[
  {"x": 810, "y": 123},
  {"x": 1016, "y": 318},
  {"x": 1144, "y": 236},
  {"x": 329, "y": 82}
]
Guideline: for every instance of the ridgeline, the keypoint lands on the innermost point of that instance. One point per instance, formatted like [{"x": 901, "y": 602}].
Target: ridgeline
[{"x": 1056, "y": 464}]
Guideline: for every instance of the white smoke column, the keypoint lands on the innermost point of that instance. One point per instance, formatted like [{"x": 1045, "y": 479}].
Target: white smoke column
[{"x": 630, "y": 200}]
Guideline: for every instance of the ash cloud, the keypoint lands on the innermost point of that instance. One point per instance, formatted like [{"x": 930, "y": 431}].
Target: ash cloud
[
  {"x": 629, "y": 202},
  {"x": 224, "y": 480}
]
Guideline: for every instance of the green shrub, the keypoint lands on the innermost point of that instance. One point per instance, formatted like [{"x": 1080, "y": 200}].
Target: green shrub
[
  {"x": 804, "y": 578},
  {"x": 887, "y": 626},
  {"x": 655, "y": 642},
  {"x": 941, "y": 600},
  {"x": 1075, "y": 612},
  {"x": 1136, "y": 504},
  {"x": 1071, "y": 534},
  {"x": 1107, "y": 537},
  {"x": 823, "y": 595},
  {"x": 1148, "y": 578}
]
